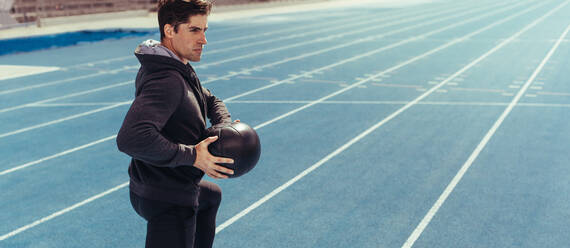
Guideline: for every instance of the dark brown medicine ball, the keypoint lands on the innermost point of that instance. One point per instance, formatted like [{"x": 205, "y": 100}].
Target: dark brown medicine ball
[{"x": 237, "y": 141}]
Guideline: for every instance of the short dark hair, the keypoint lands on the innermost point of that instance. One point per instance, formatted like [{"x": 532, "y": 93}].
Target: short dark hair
[{"x": 176, "y": 12}]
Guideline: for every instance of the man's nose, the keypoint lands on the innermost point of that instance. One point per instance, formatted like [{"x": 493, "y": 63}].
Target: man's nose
[{"x": 203, "y": 40}]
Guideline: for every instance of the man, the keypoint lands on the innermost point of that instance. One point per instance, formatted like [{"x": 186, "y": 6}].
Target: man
[{"x": 163, "y": 132}]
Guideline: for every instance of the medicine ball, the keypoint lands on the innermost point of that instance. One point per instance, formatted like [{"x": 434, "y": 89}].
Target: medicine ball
[{"x": 237, "y": 141}]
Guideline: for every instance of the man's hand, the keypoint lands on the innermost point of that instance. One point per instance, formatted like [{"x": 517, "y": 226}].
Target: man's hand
[{"x": 206, "y": 162}]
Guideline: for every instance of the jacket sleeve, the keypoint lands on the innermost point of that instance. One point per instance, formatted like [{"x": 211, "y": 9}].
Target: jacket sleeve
[
  {"x": 217, "y": 111},
  {"x": 140, "y": 135}
]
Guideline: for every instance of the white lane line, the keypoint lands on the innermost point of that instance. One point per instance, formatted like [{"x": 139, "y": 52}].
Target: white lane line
[
  {"x": 16, "y": 71},
  {"x": 397, "y": 14},
  {"x": 227, "y": 223},
  {"x": 258, "y": 78},
  {"x": 103, "y": 61},
  {"x": 57, "y": 155},
  {"x": 343, "y": 25},
  {"x": 381, "y": 74},
  {"x": 409, "y": 86},
  {"x": 393, "y": 15},
  {"x": 40, "y": 85},
  {"x": 394, "y": 68},
  {"x": 66, "y": 96},
  {"x": 445, "y": 103},
  {"x": 261, "y": 88},
  {"x": 73, "y": 104},
  {"x": 73, "y": 79},
  {"x": 448, "y": 103},
  {"x": 337, "y": 36},
  {"x": 477, "y": 89},
  {"x": 431, "y": 213},
  {"x": 371, "y": 129},
  {"x": 257, "y": 36},
  {"x": 553, "y": 93},
  {"x": 61, "y": 212},
  {"x": 71, "y": 117},
  {"x": 393, "y": 45},
  {"x": 322, "y": 81}
]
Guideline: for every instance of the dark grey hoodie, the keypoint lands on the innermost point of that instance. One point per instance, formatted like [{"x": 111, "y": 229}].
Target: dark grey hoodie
[{"x": 165, "y": 121}]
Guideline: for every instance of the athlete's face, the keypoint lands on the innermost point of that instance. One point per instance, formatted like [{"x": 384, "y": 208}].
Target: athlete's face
[{"x": 188, "y": 41}]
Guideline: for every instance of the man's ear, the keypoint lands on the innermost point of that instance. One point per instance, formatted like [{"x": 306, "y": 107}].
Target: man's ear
[{"x": 168, "y": 30}]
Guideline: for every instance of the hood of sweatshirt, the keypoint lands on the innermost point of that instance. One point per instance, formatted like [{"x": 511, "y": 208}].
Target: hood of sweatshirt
[
  {"x": 155, "y": 57},
  {"x": 154, "y": 47}
]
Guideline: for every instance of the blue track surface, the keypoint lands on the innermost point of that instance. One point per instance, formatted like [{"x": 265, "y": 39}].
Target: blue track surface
[{"x": 434, "y": 125}]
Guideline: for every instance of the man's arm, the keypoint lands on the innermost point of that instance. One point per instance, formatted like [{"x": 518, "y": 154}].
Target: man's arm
[
  {"x": 217, "y": 111},
  {"x": 140, "y": 135}
]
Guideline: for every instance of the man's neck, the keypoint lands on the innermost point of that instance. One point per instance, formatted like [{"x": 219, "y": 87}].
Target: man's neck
[{"x": 168, "y": 45}]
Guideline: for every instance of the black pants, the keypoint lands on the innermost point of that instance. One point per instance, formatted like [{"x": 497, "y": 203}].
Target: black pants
[{"x": 173, "y": 226}]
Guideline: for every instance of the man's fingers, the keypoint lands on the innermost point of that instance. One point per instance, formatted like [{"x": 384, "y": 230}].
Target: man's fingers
[
  {"x": 211, "y": 163},
  {"x": 224, "y": 170},
  {"x": 210, "y": 139},
  {"x": 216, "y": 175},
  {"x": 222, "y": 160}
]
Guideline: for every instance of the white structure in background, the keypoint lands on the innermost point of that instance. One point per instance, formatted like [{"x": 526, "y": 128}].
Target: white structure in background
[{"x": 5, "y": 18}]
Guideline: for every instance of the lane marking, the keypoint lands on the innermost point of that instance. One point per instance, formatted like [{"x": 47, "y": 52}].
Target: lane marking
[
  {"x": 352, "y": 26},
  {"x": 395, "y": 14},
  {"x": 397, "y": 85},
  {"x": 16, "y": 71},
  {"x": 356, "y": 41},
  {"x": 57, "y": 155},
  {"x": 74, "y": 104},
  {"x": 61, "y": 212},
  {"x": 258, "y": 89},
  {"x": 393, "y": 45},
  {"x": 233, "y": 219},
  {"x": 322, "y": 81},
  {"x": 380, "y": 75},
  {"x": 40, "y": 85},
  {"x": 296, "y": 28},
  {"x": 434, "y": 209},
  {"x": 444, "y": 103},
  {"x": 377, "y": 125},
  {"x": 258, "y": 78},
  {"x": 392, "y": 69},
  {"x": 447, "y": 103},
  {"x": 71, "y": 117},
  {"x": 477, "y": 90},
  {"x": 330, "y": 27},
  {"x": 553, "y": 93},
  {"x": 66, "y": 96},
  {"x": 218, "y": 62}
]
